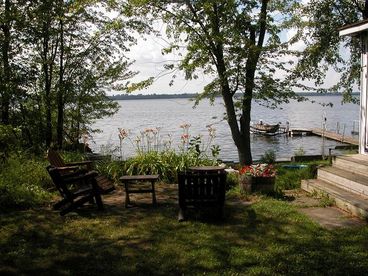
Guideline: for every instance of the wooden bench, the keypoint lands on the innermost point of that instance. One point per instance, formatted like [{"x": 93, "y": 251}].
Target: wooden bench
[
  {"x": 127, "y": 180},
  {"x": 201, "y": 189}
]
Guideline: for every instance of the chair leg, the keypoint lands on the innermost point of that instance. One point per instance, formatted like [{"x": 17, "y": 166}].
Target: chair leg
[
  {"x": 154, "y": 202},
  {"x": 60, "y": 204},
  {"x": 181, "y": 216},
  {"x": 74, "y": 205},
  {"x": 99, "y": 201},
  {"x": 127, "y": 200},
  {"x": 220, "y": 212},
  {"x": 97, "y": 195}
]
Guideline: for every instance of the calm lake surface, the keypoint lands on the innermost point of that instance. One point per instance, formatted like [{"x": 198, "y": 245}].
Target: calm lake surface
[{"x": 169, "y": 114}]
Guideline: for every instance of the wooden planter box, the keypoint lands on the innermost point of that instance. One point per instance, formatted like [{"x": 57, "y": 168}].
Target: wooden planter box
[
  {"x": 263, "y": 184},
  {"x": 245, "y": 183},
  {"x": 256, "y": 183}
]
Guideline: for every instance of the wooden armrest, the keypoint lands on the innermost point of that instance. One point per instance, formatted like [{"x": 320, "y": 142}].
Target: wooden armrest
[
  {"x": 73, "y": 173},
  {"x": 67, "y": 168},
  {"x": 79, "y": 163},
  {"x": 85, "y": 176}
]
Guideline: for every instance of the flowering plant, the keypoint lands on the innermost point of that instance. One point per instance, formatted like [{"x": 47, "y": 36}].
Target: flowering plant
[{"x": 263, "y": 170}]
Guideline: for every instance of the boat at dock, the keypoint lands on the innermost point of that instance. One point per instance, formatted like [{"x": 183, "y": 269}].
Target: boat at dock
[{"x": 266, "y": 129}]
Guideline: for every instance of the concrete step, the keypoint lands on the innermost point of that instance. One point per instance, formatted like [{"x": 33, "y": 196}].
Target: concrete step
[
  {"x": 353, "y": 163},
  {"x": 355, "y": 204},
  {"x": 344, "y": 179}
]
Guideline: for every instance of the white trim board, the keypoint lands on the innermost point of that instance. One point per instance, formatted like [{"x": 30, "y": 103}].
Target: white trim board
[{"x": 353, "y": 30}]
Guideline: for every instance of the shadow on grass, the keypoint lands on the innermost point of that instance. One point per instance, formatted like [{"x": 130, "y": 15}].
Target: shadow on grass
[{"x": 268, "y": 237}]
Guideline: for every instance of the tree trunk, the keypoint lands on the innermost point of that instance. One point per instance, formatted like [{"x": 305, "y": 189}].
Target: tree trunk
[
  {"x": 25, "y": 129},
  {"x": 365, "y": 11},
  {"x": 240, "y": 134},
  {"x": 245, "y": 154},
  {"x": 48, "y": 60},
  {"x": 60, "y": 91},
  {"x": 48, "y": 77},
  {"x": 6, "y": 67}
]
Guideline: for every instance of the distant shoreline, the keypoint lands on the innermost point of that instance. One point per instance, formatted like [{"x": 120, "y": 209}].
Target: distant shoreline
[{"x": 191, "y": 96}]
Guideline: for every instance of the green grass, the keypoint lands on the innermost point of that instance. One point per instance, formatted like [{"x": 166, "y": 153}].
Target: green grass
[{"x": 269, "y": 237}]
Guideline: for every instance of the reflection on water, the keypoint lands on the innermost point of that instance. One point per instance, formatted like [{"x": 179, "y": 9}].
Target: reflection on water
[{"x": 137, "y": 115}]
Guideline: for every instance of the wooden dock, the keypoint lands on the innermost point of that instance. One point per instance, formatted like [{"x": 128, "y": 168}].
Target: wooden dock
[
  {"x": 327, "y": 134},
  {"x": 299, "y": 132},
  {"x": 334, "y": 136}
]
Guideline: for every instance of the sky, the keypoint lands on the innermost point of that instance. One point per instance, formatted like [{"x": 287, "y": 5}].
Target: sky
[{"x": 149, "y": 62}]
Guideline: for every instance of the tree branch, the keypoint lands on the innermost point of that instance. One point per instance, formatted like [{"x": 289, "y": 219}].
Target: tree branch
[
  {"x": 263, "y": 22},
  {"x": 207, "y": 35}
]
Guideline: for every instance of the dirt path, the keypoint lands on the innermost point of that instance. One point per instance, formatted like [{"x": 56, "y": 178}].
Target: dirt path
[{"x": 329, "y": 217}]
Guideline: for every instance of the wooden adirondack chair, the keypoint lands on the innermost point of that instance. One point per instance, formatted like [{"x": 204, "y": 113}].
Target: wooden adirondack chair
[
  {"x": 201, "y": 190},
  {"x": 74, "y": 198},
  {"x": 73, "y": 169},
  {"x": 56, "y": 161}
]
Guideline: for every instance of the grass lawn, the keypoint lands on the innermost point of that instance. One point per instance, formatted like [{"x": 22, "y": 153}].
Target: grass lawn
[{"x": 266, "y": 237}]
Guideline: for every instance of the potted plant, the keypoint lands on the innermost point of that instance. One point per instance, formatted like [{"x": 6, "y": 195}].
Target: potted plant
[
  {"x": 257, "y": 177},
  {"x": 245, "y": 180}
]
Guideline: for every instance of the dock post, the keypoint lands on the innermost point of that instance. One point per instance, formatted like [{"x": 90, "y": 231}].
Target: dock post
[
  {"x": 330, "y": 156},
  {"x": 343, "y": 134},
  {"x": 353, "y": 128},
  {"x": 323, "y": 136}
]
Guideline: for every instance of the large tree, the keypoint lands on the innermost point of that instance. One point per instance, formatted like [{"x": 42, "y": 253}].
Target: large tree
[
  {"x": 324, "y": 49},
  {"x": 58, "y": 59},
  {"x": 11, "y": 72},
  {"x": 5, "y": 72},
  {"x": 241, "y": 44}
]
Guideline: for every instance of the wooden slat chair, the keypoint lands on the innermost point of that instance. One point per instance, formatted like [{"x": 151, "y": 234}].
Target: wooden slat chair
[
  {"x": 201, "y": 189},
  {"x": 74, "y": 198},
  {"x": 73, "y": 169},
  {"x": 56, "y": 161}
]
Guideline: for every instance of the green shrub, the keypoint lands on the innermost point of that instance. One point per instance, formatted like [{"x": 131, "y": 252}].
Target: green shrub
[
  {"x": 269, "y": 157},
  {"x": 299, "y": 152},
  {"x": 24, "y": 182},
  {"x": 8, "y": 140},
  {"x": 72, "y": 156},
  {"x": 232, "y": 180},
  {"x": 291, "y": 178},
  {"x": 166, "y": 164}
]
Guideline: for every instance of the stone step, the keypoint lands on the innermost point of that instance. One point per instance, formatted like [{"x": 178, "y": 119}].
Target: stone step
[
  {"x": 355, "y": 204},
  {"x": 353, "y": 163},
  {"x": 344, "y": 179}
]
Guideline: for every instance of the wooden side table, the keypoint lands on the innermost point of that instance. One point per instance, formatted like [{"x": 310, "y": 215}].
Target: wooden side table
[
  {"x": 207, "y": 169},
  {"x": 129, "y": 179}
]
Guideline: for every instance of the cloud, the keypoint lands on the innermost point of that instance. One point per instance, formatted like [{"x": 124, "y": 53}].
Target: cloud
[{"x": 150, "y": 61}]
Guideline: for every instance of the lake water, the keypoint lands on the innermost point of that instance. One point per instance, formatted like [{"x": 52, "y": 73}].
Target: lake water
[{"x": 169, "y": 114}]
